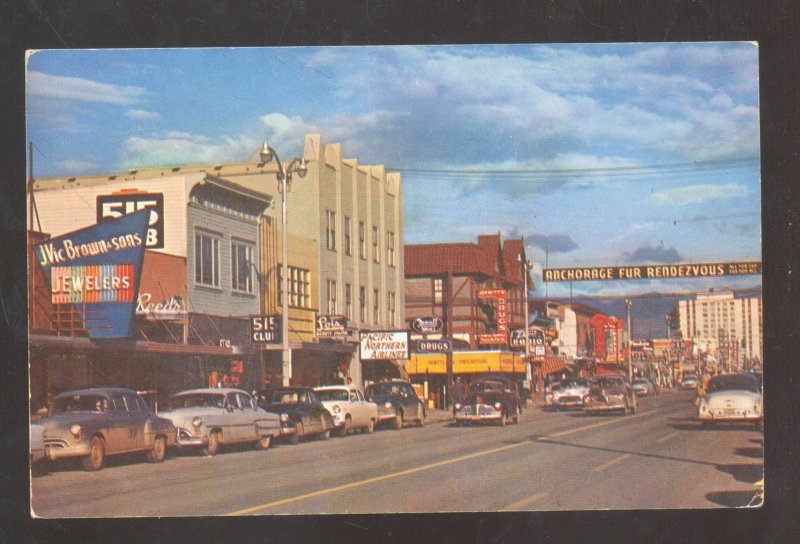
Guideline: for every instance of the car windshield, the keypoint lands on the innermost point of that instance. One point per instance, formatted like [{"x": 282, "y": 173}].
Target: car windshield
[
  {"x": 640, "y": 382},
  {"x": 333, "y": 394},
  {"x": 384, "y": 389},
  {"x": 732, "y": 382},
  {"x": 487, "y": 387},
  {"x": 80, "y": 403},
  {"x": 609, "y": 382},
  {"x": 576, "y": 383},
  {"x": 193, "y": 400},
  {"x": 286, "y": 396}
]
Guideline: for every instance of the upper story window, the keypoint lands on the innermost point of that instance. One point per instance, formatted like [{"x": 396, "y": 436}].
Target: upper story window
[
  {"x": 362, "y": 303},
  {"x": 362, "y": 240},
  {"x": 376, "y": 246},
  {"x": 390, "y": 248},
  {"x": 206, "y": 258},
  {"x": 438, "y": 290},
  {"x": 330, "y": 229},
  {"x": 390, "y": 306},
  {"x": 241, "y": 266},
  {"x": 348, "y": 243},
  {"x": 348, "y": 301},
  {"x": 332, "y": 297},
  {"x": 376, "y": 306},
  {"x": 299, "y": 287}
]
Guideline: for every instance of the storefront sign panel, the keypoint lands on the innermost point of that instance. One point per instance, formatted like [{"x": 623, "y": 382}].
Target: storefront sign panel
[
  {"x": 700, "y": 270},
  {"x": 427, "y": 325},
  {"x": 117, "y": 205},
  {"x": 265, "y": 329},
  {"x": 330, "y": 326},
  {"x": 376, "y": 345}
]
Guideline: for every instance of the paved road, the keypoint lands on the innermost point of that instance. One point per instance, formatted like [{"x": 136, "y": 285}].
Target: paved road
[{"x": 658, "y": 458}]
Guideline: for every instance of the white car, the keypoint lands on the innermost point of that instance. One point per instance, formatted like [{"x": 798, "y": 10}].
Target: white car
[
  {"x": 349, "y": 408},
  {"x": 37, "y": 443},
  {"x": 571, "y": 393},
  {"x": 210, "y": 418},
  {"x": 732, "y": 398}
]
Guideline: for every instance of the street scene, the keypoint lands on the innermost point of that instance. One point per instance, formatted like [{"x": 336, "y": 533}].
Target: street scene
[{"x": 395, "y": 279}]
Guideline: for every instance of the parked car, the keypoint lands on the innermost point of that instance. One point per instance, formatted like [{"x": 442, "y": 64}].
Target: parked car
[
  {"x": 211, "y": 418},
  {"x": 300, "y": 411},
  {"x": 732, "y": 398},
  {"x": 643, "y": 387},
  {"x": 550, "y": 394},
  {"x": 350, "y": 410},
  {"x": 92, "y": 423},
  {"x": 36, "y": 443},
  {"x": 404, "y": 400},
  {"x": 610, "y": 393},
  {"x": 493, "y": 400},
  {"x": 570, "y": 393},
  {"x": 689, "y": 381}
]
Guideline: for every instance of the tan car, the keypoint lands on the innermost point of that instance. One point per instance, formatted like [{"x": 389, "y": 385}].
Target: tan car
[{"x": 91, "y": 423}]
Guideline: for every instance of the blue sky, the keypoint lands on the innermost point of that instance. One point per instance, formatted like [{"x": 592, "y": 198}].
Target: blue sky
[{"x": 596, "y": 154}]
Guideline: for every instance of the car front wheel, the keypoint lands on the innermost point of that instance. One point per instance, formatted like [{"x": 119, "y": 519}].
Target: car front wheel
[
  {"x": 213, "y": 444},
  {"x": 97, "y": 452},
  {"x": 370, "y": 426},
  {"x": 159, "y": 451},
  {"x": 264, "y": 442}
]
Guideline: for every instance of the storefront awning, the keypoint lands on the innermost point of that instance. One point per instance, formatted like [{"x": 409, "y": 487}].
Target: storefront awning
[
  {"x": 552, "y": 365},
  {"x": 466, "y": 362},
  {"x": 72, "y": 343}
]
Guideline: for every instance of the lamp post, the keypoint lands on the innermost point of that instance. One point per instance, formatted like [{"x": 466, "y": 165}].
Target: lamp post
[
  {"x": 526, "y": 266},
  {"x": 284, "y": 175},
  {"x": 628, "y": 305}
]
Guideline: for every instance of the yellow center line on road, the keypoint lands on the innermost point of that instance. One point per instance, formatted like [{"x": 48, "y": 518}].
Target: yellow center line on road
[
  {"x": 527, "y": 501},
  {"x": 667, "y": 437},
  {"x": 368, "y": 481},
  {"x": 601, "y": 468},
  {"x": 593, "y": 426}
]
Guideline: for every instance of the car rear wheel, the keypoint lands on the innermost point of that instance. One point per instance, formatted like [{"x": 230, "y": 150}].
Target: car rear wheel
[
  {"x": 213, "y": 444},
  {"x": 324, "y": 435},
  {"x": 345, "y": 429},
  {"x": 264, "y": 442},
  {"x": 159, "y": 451},
  {"x": 298, "y": 432},
  {"x": 370, "y": 426},
  {"x": 97, "y": 452},
  {"x": 517, "y": 414}
]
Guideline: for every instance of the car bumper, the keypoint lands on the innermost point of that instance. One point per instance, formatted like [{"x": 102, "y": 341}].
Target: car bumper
[
  {"x": 568, "y": 402},
  {"x": 730, "y": 417},
  {"x": 187, "y": 440},
  {"x": 477, "y": 418},
  {"x": 288, "y": 431},
  {"x": 603, "y": 407},
  {"x": 60, "y": 449}
]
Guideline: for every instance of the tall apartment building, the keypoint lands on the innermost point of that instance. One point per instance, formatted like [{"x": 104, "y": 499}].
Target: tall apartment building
[{"x": 736, "y": 323}]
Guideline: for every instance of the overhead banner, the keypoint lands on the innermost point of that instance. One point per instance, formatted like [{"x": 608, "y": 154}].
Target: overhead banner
[
  {"x": 375, "y": 345},
  {"x": 98, "y": 270},
  {"x": 650, "y": 272}
]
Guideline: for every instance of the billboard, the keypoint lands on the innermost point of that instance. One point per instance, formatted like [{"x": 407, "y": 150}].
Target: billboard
[
  {"x": 374, "y": 345},
  {"x": 649, "y": 272},
  {"x": 127, "y": 202},
  {"x": 98, "y": 269}
]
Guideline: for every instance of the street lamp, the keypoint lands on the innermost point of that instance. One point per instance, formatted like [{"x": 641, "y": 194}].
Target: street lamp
[
  {"x": 628, "y": 305},
  {"x": 284, "y": 175},
  {"x": 526, "y": 267}
]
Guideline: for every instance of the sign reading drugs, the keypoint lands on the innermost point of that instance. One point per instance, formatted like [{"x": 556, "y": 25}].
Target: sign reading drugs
[
  {"x": 374, "y": 345},
  {"x": 500, "y": 298},
  {"x": 650, "y": 272},
  {"x": 98, "y": 269}
]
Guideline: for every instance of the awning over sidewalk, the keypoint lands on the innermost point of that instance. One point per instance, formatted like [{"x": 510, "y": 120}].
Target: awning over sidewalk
[
  {"x": 466, "y": 362},
  {"x": 553, "y": 364}
]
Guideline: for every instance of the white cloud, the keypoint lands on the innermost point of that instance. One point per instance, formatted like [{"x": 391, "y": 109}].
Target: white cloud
[
  {"x": 79, "y": 89},
  {"x": 697, "y": 194},
  {"x": 182, "y": 148},
  {"x": 142, "y": 115},
  {"x": 286, "y": 134},
  {"x": 76, "y": 167}
]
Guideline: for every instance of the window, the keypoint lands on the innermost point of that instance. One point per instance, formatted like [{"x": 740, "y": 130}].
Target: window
[
  {"x": 331, "y": 297},
  {"x": 241, "y": 269},
  {"x": 390, "y": 248},
  {"x": 362, "y": 303},
  {"x": 438, "y": 290},
  {"x": 390, "y": 304},
  {"x": 330, "y": 229},
  {"x": 376, "y": 247},
  {"x": 348, "y": 246},
  {"x": 362, "y": 240},
  {"x": 348, "y": 301},
  {"x": 206, "y": 259},
  {"x": 376, "y": 305},
  {"x": 299, "y": 287}
]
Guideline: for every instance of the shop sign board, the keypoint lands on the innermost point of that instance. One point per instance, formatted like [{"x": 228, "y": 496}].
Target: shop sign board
[
  {"x": 330, "y": 326},
  {"x": 427, "y": 325},
  {"x": 171, "y": 308},
  {"x": 501, "y": 317},
  {"x": 536, "y": 337},
  {"x": 649, "y": 272},
  {"x": 127, "y": 202},
  {"x": 98, "y": 269},
  {"x": 375, "y": 345},
  {"x": 434, "y": 346},
  {"x": 265, "y": 329}
]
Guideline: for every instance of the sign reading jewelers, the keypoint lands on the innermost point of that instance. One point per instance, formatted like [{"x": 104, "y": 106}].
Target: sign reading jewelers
[
  {"x": 98, "y": 270},
  {"x": 374, "y": 345},
  {"x": 500, "y": 318}
]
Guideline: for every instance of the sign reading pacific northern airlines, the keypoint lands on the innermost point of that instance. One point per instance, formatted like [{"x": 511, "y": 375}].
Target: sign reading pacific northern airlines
[{"x": 97, "y": 269}]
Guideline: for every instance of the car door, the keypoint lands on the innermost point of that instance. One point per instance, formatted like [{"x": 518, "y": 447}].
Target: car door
[
  {"x": 315, "y": 411},
  {"x": 357, "y": 413},
  {"x": 118, "y": 434},
  {"x": 137, "y": 422},
  {"x": 250, "y": 418},
  {"x": 234, "y": 419}
]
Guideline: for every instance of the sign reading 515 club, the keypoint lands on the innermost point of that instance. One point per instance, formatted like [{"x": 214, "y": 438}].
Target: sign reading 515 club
[{"x": 98, "y": 269}]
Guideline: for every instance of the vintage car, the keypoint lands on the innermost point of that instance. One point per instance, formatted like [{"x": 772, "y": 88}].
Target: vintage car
[
  {"x": 397, "y": 396},
  {"x": 36, "y": 443},
  {"x": 570, "y": 393},
  {"x": 300, "y": 411},
  {"x": 92, "y": 423},
  {"x": 732, "y": 398},
  {"x": 350, "y": 410},
  {"x": 494, "y": 400},
  {"x": 210, "y": 418},
  {"x": 549, "y": 394},
  {"x": 689, "y": 381},
  {"x": 643, "y": 387},
  {"x": 610, "y": 393}
]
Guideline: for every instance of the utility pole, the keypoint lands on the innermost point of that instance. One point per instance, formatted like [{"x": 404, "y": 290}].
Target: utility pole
[
  {"x": 448, "y": 313},
  {"x": 628, "y": 305}
]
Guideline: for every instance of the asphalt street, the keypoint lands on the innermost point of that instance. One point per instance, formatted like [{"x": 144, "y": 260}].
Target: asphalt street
[{"x": 658, "y": 458}]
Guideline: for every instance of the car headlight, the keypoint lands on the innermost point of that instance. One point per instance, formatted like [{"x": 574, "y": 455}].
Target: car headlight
[
  {"x": 75, "y": 430},
  {"x": 387, "y": 405},
  {"x": 458, "y": 406},
  {"x": 284, "y": 418},
  {"x": 196, "y": 422},
  {"x": 497, "y": 405},
  {"x": 336, "y": 409}
]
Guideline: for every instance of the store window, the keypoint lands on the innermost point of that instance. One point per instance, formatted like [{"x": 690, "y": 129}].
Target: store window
[{"x": 206, "y": 258}]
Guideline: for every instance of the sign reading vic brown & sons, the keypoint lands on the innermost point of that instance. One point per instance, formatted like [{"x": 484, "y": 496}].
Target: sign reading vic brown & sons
[{"x": 648, "y": 272}]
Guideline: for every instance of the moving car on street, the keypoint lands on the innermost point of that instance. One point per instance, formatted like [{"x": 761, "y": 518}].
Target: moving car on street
[
  {"x": 403, "y": 399},
  {"x": 732, "y": 398},
  {"x": 571, "y": 392},
  {"x": 211, "y": 418},
  {"x": 300, "y": 411},
  {"x": 494, "y": 400},
  {"x": 689, "y": 381},
  {"x": 610, "y": 393},
  {"x": 90, "y": 424},
  {"x": 643, "y": 387},
  {"x": 350, "y": 410}
]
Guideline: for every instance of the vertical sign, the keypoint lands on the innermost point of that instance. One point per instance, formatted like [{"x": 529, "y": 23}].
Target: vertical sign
[{"x": 501, "y": 317}]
